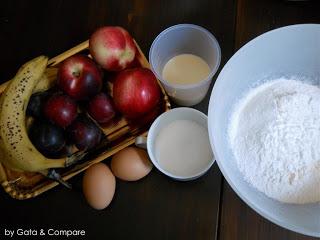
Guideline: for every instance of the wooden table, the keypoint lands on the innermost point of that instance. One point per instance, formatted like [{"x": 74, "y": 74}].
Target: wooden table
[{"x": 155, "y": 207}]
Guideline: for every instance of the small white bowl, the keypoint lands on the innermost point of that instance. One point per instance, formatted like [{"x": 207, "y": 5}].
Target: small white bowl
[{"x": 162, "y": 121}]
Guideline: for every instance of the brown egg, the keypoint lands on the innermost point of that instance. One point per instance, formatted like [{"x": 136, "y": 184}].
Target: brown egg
[
  {"x": 131, "y": 164},
  {"x": 98, "y": 186}
]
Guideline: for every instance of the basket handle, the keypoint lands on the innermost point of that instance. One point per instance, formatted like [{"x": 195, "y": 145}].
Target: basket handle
[{"x": 82, "y": 46}]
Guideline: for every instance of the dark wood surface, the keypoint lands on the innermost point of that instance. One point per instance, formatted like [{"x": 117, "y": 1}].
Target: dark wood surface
[{"x": 155, "y": 207}]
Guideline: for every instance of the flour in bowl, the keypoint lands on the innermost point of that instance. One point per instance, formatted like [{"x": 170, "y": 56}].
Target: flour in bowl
[{"x": 274, "y": 133}]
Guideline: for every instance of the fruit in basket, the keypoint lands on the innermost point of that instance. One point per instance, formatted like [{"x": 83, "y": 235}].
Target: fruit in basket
[
  {"x": 148, "y": 117},
  {"x": 16, "y": 150},
  {"x": 36, "y": 104},
  {"x": 79, "y": 77},
  {"x": 101, "y": 108},
  {"x": 84, "y": 133},
  {"x": 136, "y": 92},
  {"x": 112, "y": 47},
  {"x": 60, "y": 109},
  {"x": 48, "y": 138},
  {"x": 47, "y": 80}
]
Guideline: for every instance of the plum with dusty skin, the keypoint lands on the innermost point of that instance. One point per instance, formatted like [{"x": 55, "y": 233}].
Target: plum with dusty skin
[
  {"x": 61, "y": 110},
  {"x": 101, "y": 108},
  {"x": 48, "y": 138},
  {"x": 84, "y": 133}
]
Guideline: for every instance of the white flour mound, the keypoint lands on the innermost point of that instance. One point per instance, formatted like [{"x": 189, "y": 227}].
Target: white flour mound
[{"x": 274, "y": 133}]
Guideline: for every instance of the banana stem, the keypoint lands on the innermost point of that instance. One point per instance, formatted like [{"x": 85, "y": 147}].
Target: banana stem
[
  {"x": 75, "y": 158},
  {"x": 53, "y": 175}
]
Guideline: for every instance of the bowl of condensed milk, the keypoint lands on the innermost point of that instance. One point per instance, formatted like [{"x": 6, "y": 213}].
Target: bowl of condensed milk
[{"x": 185, "y": 58}]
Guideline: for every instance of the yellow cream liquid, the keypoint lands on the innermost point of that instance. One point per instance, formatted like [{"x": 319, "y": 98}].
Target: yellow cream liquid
[{"x": 185, "y": 69}]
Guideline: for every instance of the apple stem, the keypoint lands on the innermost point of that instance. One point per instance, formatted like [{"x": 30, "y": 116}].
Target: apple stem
[{"x": 76, "y": 74}]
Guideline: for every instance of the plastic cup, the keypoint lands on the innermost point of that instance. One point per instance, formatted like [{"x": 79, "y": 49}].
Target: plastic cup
[{"x": 185, "y": 39}]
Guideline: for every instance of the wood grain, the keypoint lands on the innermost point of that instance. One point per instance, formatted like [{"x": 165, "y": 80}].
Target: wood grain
[
  {"x": 257, "y": 17},
  {"x": 238, "y": 221},
  {"x": 155, "y": 207}
]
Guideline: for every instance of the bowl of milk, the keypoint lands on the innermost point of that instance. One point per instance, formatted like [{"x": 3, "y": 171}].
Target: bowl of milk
[
  {"x": 178, "y": 144},
  {"x": 254, "y": 92},
  {"x": 184, "y": 58}
]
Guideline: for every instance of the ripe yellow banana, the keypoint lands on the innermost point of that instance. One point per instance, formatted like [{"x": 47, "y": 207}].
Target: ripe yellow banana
[
  {"x": 46, "y": 81},
  {"x": 16, "y": 150}
]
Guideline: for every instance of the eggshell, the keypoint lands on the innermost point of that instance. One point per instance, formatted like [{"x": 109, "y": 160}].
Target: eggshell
[
  {"x": 98, "y": 185},
  {"x": 131, "y": 164}
]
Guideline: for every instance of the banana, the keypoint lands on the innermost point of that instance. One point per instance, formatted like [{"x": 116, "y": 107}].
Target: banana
[
  {"x": 17, "y": 151},
  {"x": 47, "y": 80}
]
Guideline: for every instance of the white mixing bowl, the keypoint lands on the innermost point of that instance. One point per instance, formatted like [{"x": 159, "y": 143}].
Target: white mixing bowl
[{"x": 288, "y": 51}]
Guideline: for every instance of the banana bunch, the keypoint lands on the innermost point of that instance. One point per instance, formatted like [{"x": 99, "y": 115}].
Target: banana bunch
[{"x": 16, "y": 150}]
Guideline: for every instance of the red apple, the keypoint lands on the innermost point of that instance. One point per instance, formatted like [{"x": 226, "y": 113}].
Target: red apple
[
  {"x": 147, "y": 118},
  {"x": 61, "y": 110},
  {"x": 79, "y": 77},
  {"x": 101, "y": 108},
  {"x": 136, "y": 92},
  {"x": 113, "y": 48}
]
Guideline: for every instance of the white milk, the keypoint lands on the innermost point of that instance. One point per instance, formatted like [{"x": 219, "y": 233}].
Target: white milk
[
  {"x": 182, "y": 148},
  {"x": 185, "y": 69}
]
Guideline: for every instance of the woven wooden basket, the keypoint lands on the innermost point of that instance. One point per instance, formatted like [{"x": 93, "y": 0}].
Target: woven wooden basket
[{"x": 23, "y": 185}]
